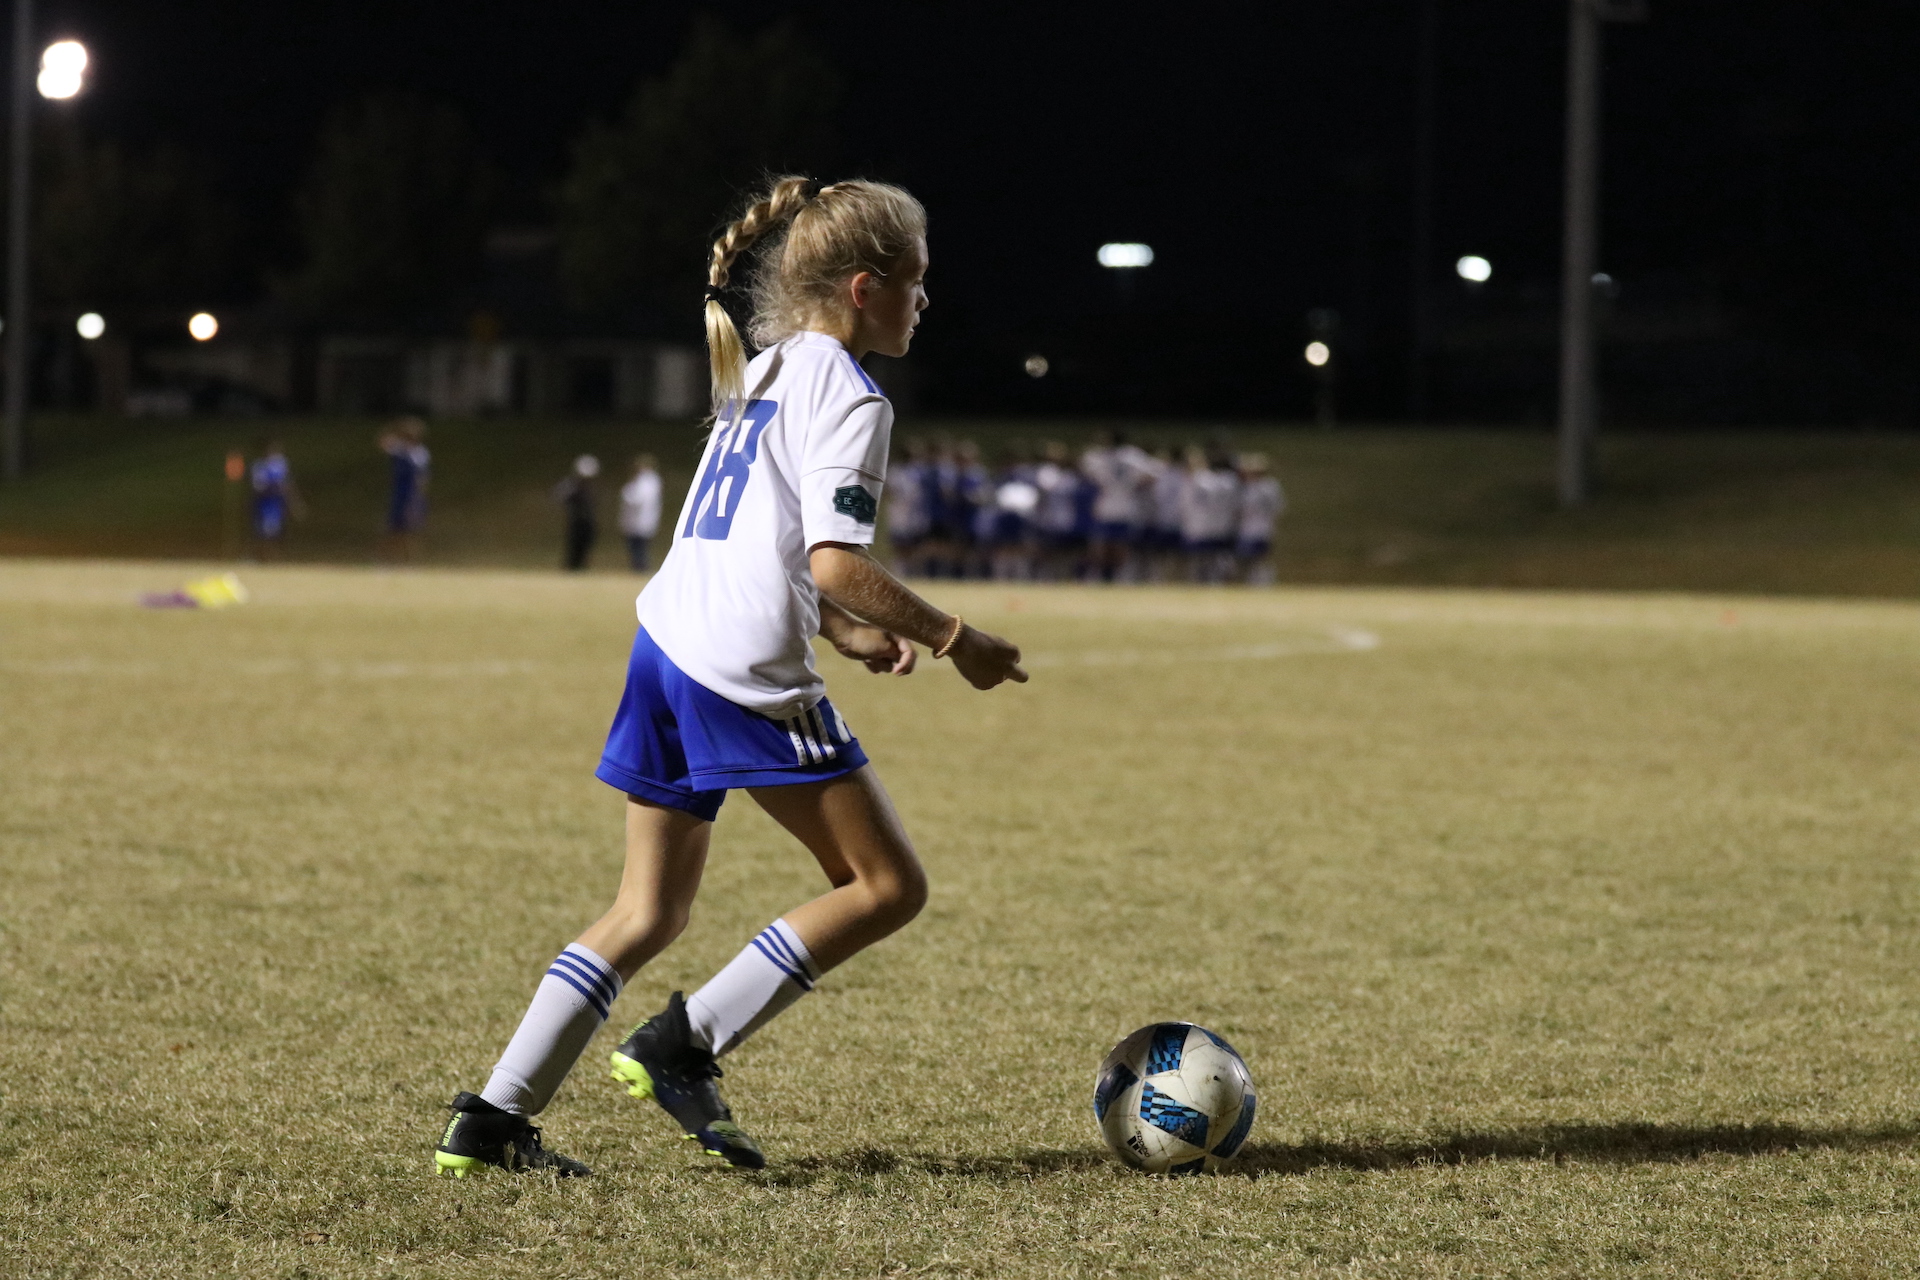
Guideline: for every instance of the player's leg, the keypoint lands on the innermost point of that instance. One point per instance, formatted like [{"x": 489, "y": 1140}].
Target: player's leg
[
  {"x": 850, "y": 826},
  {"x": 666, "y": 854}
]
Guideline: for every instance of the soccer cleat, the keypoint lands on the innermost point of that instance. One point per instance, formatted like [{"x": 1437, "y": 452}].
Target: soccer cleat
[
  {"x": 659, "y": 1060},
  {"x": 482, "y": 1134}
]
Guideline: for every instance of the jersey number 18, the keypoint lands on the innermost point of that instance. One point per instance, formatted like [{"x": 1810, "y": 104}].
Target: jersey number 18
[{"x": 725, "y": 477}]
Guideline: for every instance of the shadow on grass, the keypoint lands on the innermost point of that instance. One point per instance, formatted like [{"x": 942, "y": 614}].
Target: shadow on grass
[
  {"x": 1623, "y": 1143},
  {"x": 1629, "y": 1142}
]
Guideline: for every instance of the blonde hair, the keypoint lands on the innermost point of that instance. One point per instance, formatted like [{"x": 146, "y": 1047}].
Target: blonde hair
[{"x": 805, "y": 250}]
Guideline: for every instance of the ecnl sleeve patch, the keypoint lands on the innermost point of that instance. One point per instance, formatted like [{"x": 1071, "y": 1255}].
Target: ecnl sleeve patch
[{"x": 854, "y": 501}]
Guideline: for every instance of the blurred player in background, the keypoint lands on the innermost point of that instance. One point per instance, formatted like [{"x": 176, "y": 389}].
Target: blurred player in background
[
  {"x": 578, "y": 495},
  {"x": 1209, "y": 516},
  {"x": 1057, "y": 516},
  {"x": 276, "y": 499},
  {"x": 640, "y": 511},
  {"x": 769, "y": 551},
  {"x": 405, "y": 444},
  {"x": 1121, "y": 475},
  {"x": 910, "y": 509},
  {"x": 1262, "y": 502},
  {"x": 1011, "y": 539},
  {"x": 1165, "y": 502}
]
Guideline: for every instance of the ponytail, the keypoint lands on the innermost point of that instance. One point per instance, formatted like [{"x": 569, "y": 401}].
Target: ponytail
[
  {"x": 726, "y": 354},
  {"x": 806, "y": 248}
]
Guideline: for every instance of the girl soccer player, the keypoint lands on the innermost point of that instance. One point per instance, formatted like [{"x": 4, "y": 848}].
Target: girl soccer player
[{"x": 770, "y": 550}]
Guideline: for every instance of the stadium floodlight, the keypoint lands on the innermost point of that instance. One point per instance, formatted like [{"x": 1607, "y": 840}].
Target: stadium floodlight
[
  {"x": 63, "y": 69},
  {"x": 203, "y": 326},
  {"x": 1037, "y": 366},
  {"x": 90, "y": 325},
  {"x": 1126, "y": 255},
  {"x": 1318, "y": 353},
  {"x": 1474, "y": 269}
]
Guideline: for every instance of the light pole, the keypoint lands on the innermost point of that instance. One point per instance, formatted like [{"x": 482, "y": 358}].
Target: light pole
[
  {"x": 1580, "y": 246},
  {"x": 63, "y": 66}
]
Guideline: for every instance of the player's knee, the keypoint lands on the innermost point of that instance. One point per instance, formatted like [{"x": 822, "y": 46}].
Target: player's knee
[
  {"x": 900, "y": 895},
  {"x": 652, "y": 926}
]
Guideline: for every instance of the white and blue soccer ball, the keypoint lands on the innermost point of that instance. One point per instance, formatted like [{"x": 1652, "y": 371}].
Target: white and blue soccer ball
[{"x": 1174, "y": 1098}]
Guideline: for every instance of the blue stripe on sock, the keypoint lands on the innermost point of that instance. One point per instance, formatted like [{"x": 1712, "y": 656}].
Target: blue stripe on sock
[
  {"x": 778, "y": 960},
  {"x": 772, "y": 933},
  {"x": 606, "y": 980},
  {"x": 589, "y": 984},
  {"x": 593, "y": 996},
  {"x": 774, "y": 957},
  {"x": 603, "y": 980}
]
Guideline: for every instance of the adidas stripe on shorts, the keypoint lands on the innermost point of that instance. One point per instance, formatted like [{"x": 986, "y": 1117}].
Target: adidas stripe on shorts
[{"x": 677, "y": 743}]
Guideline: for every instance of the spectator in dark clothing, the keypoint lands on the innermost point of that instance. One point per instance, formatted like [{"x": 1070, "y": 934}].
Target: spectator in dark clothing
[{"x": 576, "y": 494}]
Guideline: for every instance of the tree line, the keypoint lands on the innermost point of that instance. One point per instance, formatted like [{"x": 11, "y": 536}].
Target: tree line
[{"x": 389, "y": 222}]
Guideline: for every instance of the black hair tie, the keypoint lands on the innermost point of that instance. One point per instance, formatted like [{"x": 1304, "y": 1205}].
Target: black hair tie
[{"x": 713, "y": 292}]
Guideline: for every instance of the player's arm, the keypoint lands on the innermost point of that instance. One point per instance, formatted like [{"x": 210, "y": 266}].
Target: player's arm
[
  {"x": 882, "y": 651},
  {"x": 863, "y": 596}
]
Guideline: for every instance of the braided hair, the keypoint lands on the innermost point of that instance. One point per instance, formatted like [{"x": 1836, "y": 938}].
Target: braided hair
[{"x": 805, "y": 248}]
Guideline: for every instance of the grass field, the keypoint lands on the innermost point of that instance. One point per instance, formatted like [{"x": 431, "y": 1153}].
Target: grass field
[
  {"x": 1564, "y": 934},
  {"x": 1772, "y": 512}
]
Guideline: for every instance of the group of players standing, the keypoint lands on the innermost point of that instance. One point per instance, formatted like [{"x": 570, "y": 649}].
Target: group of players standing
[{"x": 1118, "y": 513}]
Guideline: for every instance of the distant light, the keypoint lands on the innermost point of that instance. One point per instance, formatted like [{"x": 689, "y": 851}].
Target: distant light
[
  {"x": 1318, "y": 353},
  {"x": 63, "y": 69},
  {"x": 1126, "y": 255},
  {"x": 1601, "y": 280},
  {"x": 90, "y": 326},
  {"x": 1475, "y": 268},
  {"x": 203, "y": 327},
  {"x": 1037, "y": 366}
]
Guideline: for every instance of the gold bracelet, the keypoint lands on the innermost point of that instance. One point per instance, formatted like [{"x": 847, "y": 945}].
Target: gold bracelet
[{"x": 959, "y": 625}]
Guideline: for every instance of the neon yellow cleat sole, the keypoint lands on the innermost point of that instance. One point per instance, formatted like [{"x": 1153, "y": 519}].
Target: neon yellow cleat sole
[
  {"x": 448, "y": 1165},
  {"x": 631, "y": 1074}
]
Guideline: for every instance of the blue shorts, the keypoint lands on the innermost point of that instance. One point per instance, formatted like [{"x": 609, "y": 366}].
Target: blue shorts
[
  {"x": 677, "y": 743},
  {"x": 269, "y": 516}
]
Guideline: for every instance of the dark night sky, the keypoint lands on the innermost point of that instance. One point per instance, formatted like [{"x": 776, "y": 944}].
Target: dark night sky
[{"x": 1758, "y": 153}]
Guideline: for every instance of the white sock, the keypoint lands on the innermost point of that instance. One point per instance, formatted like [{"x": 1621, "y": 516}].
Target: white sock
[
  {"x": 769, "y": 974},
  {"x": 568, "y": 1007}
]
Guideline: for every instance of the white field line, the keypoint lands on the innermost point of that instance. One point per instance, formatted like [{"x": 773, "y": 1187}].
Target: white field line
[
  {"x": 1329, "y": 640},
  {"x": 267, "y": 668}
]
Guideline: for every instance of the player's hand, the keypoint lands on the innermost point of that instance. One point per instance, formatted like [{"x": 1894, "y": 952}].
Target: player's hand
[
  {"x": 985, "y": 659},
  {"x": 881, "y": 651}
]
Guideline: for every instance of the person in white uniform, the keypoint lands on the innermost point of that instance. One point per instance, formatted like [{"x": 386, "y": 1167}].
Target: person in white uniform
[
  {"x": 640, "y": 511},
  {"x": 769, "y": 550},
  {"x": 1209, "y": 514},
  {"x": 1164, "y": 504},
  {"x": 1122, "y": 475},
  {"x": 1262, "y": 501}
]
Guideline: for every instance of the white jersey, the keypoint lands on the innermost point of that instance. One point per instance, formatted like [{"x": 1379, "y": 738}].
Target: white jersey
[
  {"x": 734, "y": 604},
  {"x": 1120, "y": 474},
  {"x": 1261, "y": 502},
  {"x": 1055, "y": 513},
  {"x": 1211, "y": 508},
  {"x": 908, "y": 516},
  {"x": 640, "y": 505},
  {"x": 1169, "y": 495}
]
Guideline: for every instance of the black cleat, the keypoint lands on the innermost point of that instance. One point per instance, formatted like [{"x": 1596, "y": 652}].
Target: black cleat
[
  {"x": 482, "y": 1134},
  {"x": 659, "y": 1060}
]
